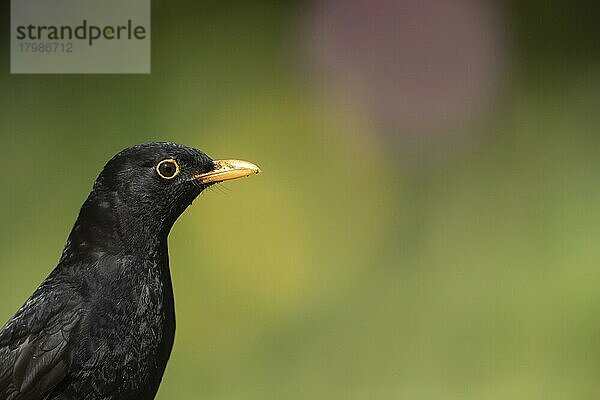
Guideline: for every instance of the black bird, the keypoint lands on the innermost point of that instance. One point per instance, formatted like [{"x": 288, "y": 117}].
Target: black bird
[{"x": 101, "y": 326}]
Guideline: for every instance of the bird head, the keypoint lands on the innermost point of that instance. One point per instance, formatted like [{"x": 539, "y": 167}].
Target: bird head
[{"x": 142, "y": 191}]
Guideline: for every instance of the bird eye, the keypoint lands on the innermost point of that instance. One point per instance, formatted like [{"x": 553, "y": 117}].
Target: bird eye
[{"x": 167, "y": 169}]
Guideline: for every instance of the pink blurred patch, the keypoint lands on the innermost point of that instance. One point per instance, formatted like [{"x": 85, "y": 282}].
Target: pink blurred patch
[{"x": 417, "y": 66}]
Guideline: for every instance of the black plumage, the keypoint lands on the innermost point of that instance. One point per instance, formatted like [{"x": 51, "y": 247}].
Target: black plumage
[{"x": 101, "y": 326}]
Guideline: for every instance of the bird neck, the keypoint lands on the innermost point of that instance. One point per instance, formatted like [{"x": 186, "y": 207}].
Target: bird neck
[{"x": 106, "y": 225}]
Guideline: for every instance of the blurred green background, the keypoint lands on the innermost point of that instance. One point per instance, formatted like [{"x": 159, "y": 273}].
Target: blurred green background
[{"x": 427, "y": 221}]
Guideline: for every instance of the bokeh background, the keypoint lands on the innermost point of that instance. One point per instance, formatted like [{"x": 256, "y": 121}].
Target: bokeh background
[{"x": 427, "y": 223}]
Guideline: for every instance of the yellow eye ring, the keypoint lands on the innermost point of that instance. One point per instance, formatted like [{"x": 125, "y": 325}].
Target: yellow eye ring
[{"x": 167, "y": 169}]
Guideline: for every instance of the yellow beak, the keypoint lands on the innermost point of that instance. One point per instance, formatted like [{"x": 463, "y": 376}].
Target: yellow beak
[{"x": 225, "y": 170}]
